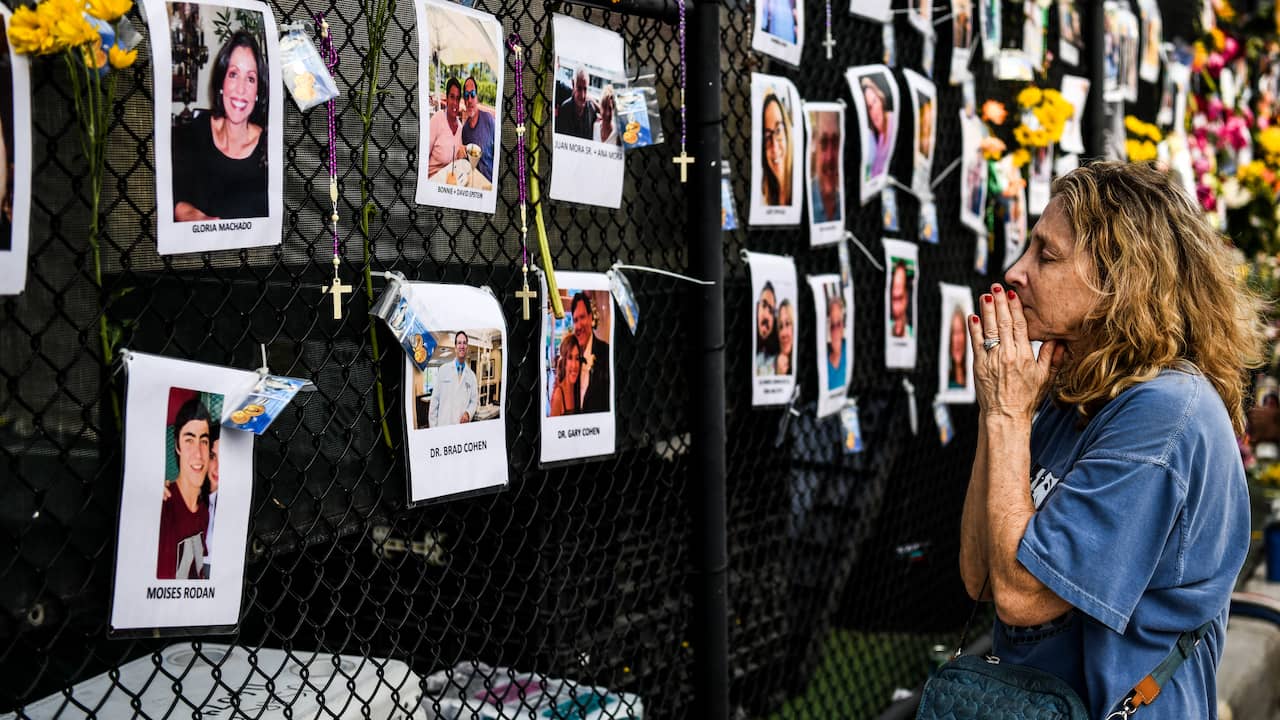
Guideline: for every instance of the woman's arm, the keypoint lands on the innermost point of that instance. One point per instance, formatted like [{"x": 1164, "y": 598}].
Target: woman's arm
[
  {"x": 557, "y": 401},
  {"x": 184, "y": 211}
]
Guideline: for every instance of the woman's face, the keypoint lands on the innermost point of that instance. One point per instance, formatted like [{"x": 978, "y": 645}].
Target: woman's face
[
  {"x": 1052, "y": 279},
  {"x": 606, "y": 111},
  {"x": 573, "y": 364},
  {"x": 786, "y": 330},
  {"x": 240, "y": 86},
  {"x": 835, "y": 323},
  {"x": 765, "y": 314},
  {"x": 775, "y": 138},
  {"x": 898, "y": 295},
  {"x": 875, "y": 110}
]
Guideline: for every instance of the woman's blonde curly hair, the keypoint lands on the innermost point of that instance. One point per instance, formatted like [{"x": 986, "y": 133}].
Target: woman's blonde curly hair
[{"x": 1168, "y": 289}]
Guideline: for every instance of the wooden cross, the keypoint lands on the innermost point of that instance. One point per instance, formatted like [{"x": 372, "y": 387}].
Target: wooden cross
[
  {"x": 337, "y": 289},
  {"x": 683, "y": 161},
  {"x": 525, "y": 295},
  {"x": 830, "y": 42}
]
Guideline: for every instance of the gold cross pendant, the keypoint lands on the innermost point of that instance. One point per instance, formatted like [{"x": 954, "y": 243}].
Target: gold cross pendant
[
  {"x": 525, "y": 294},
  {"x": 337, "y": 289},
  {"x": 683, "y": 161}
]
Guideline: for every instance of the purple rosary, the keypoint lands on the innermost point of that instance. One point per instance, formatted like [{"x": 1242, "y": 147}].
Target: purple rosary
[
  {"x": 522, "y": 182},
  {"x": 685, "y": 159},
  {"x": 337, "y": 288}
]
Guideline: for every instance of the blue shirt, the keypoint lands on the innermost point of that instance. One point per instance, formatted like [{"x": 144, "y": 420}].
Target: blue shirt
[
  {"x": 482, "y": 135},
  {"x": 1143, "y": 525},
  {"x": 836, "y": 373}
]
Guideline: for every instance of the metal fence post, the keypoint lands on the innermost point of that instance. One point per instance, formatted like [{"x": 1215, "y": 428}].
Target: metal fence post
[{"x": 709, "y": 628}]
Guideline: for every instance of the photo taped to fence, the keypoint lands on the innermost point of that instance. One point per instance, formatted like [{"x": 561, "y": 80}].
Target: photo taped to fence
[
  {"x": 218, "y": 125},
  {"x": 577, "y": 370},
  {"x": 185, "y": 502},
  {"x": 901, "y": 279},
  {"x": 460, "y": 69},
  {"x": 875, "y": 96},
  {"x": 587, "y": 158},
  {"x": 973, "y": 174},
  {"x": 779, "y": 29},
  {"x": 777, "y": 159},
  {"x": 924, "y": 107},
  {"x": 962, "y": 22},
  {"x": 824, "y": 123},
  {"x": 15, "y": 162},
  {"x": 833, "y": 317},
  {"x": 457, "y": 441},
  {"x": 955, "y": 353},
  {"x": 775, "y": 330}
]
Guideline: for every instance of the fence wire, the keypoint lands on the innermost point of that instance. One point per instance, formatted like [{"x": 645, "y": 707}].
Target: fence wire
[{"x": 842, "y": 567}]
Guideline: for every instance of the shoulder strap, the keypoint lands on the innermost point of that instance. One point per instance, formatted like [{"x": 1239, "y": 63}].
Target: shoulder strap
[
  {"x": 973, "y": 614},
  {"x": 1145, "y": 692}
]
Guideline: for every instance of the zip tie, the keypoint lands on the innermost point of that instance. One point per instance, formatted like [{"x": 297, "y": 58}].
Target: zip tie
[
  {"x": 124, "y": 356},
  {"x": 904, "y": 188},
  {"x": 848, "y": 235},
  {"x": 745, "y": 255},
  {"x": 668, "y": 273},
  {"x": 945, "y": 172},
  {"x": 264, "y": 370},
  {"x": 944, "y": 18}
]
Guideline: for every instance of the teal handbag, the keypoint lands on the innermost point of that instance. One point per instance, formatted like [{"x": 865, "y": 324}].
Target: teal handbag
[{"x": 969, "y": 687}]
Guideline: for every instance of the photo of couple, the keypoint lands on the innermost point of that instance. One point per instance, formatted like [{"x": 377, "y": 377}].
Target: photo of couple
[
  {"x": 580, "y": 355},
  {"x": 775, "y": 327}
]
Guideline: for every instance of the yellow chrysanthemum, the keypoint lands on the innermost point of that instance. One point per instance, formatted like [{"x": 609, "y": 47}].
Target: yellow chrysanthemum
[
  {"x": 29, "y": 32},
  {"x": 1224, "y": 11},
  {"x": 1199, "y": 55},
  {"x": 1029, "y": 96},
  {"x": 121, "y": 59},
  {"x": 68, "y": 25},
  {"x": 1270, "y": 140},
  {"x": 1022, "y": 134},
  {"x": 1132, "y": 124},
  {"x": 108, "y": 10},
  {"x": 1021, "y": 157}
]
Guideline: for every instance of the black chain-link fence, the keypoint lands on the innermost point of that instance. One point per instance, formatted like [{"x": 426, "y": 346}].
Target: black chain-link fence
[{"x": 576, "y": 572}]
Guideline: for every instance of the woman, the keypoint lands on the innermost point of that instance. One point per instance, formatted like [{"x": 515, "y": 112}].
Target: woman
[
  {"x": 876, "y": 97},
  {"x": 837, "y": 358},
  {"x": 605, "y": 129},
  {"x": 899, "y": 299},
  {"x": 220, "y": 158},
  {"x": 786, "y": 337},
  {"x": 564, "y": 397},
  {"x": 958, "y": 375},
  {"x": 775, "y": 151},
  {"x": 1136, "y": 520}
]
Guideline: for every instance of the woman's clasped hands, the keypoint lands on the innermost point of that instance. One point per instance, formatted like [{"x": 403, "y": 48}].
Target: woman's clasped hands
[{"x": 1008, "y": 376}]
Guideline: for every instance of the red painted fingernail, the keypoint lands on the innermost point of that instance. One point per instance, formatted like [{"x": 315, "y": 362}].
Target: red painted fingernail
[
  {"x": 995, "y": 288},
  {"x": 986, "y": 298},
  {"x": 974, "y": 319},
  {"x": 1012, "y": 294}
]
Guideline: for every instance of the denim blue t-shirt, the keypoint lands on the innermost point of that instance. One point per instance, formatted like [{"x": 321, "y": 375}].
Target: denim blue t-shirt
[{"x": 1142, "y": 525}]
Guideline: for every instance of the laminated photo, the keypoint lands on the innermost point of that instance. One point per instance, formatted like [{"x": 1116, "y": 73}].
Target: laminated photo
[
  {"x": 989, "y": 16},
  {"x": 1040, "y": 180},
  {"x": 773, "y": 339},
  {"x": 180, "y": 551},
  {"x": 1075, "y": 90},
  {"x": 15, "y": 162},
  {"x": 1070, "y": 32},
  {"x": 924, "y": 106},
  {"x": 460, "y": 71},
  {"x": 955, "y": 352},
  {"x": 824, "y": 123},
  {"x": 777, "y": 157},
  {"x": 779, "y": 29},
  {"x": 878, "y": 10},
  {"x": 456, "y": 436},
  {"x": 901, "y": 278},
  {"x": 875, "y": 97},
  {"x": 973, "y": 174},
  {"x": 577, "y": 370},
  {"x": 219, "y": 125},
  {"x": 1152, "y": 39},
  {"x": 1034, "y": 20},
  {"x": 1015, "y": 226},
  {"x": 587, "y": 158},
  {"x": 962, "y": 24},
  {"x": 833, "y": 317}
]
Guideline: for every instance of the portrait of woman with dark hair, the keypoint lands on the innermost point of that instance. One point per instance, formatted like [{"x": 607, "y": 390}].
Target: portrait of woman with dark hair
[
  {"x": 775, "y": 151},
  {"x": 220, "y": 156}
]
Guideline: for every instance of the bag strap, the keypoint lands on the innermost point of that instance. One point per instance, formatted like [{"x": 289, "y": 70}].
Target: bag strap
[
  {"x": 1149, "y": 687},
  {"x": 973, "y": 614}
]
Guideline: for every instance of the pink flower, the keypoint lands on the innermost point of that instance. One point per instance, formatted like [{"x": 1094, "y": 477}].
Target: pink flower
[
  {"x": 1264, "y": 122},
  {"x": 1230, "y": 48},
  {"x": 1200, "y": 165},
  {"x": 1215, "y": 63},
  {"x": 1237, "y": 132},
  {"x": 1205, "y": 195},
  {"x": 1215, "y": 107}
]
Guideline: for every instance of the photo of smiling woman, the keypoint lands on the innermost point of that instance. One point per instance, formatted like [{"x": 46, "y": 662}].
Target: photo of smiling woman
[
  {"x": 218, "y": 159},
  {"x": 875, "y": 96},
  {"x": 777, "y": 163}
]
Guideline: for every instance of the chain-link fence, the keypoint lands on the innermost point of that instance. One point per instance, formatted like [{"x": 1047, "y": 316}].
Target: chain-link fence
[{"x": 842, "y": 568}]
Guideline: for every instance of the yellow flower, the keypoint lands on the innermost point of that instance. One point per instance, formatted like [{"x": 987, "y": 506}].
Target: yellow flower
[
  {"x": 29, "y": 32},
  {"x": 1270, "y": 140},
  {"x": 108, "y": 10},
  {"x": 94, "y": 56},
  {"x": 1022, "y": 134},
  {"x": 1154, "y": 133},
  {"x": 1133, "y": 149},
  {"x": 1224, "y": 11},
  {"x": 120, "y": 58},
  {"x": 1132, "y": 124},
  {"x": 1021, "y": 157},
  {"x": 1219, "y": 39},
  {"x": 992, "y": 147},
  {"x": 68, "y": 25},
  {"x": 1029, "y": 96},
  {"x": 1199, "y": 56}
]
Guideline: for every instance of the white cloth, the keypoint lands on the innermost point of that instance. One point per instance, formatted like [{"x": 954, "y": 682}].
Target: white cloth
[{"x": 454, "y": 393}]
